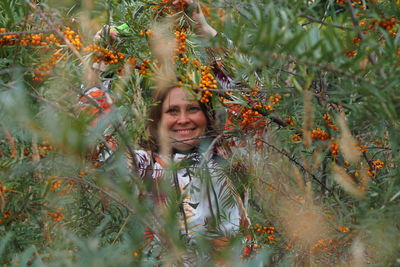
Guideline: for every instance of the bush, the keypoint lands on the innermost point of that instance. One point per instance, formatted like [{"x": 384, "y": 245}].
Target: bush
[{"x": 310, "y": 111}]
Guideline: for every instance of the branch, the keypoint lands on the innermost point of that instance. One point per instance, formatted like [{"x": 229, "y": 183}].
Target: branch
[
  {"x": 59, "y": 33},
  {"x": 25, "y": 32},
  {"x": 92, "y": 185},
  {"x": 356, "y": 24},
  {"x": 10, "y": 140},
  {"x": 312, "y": 19},
  {"x": 286, "y": 154}
]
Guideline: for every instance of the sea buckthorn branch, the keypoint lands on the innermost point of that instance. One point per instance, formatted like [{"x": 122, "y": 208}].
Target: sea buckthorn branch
[
  {"x": 354, "y": 3},
  {"x": 94, "y": 186},
  {"x": 253, "y": 115},
  {"x": 119, "y": 127},
  {"x": 371, "y": 58},
  {"x": 387, "y": 24},
  {"x": 169, "y": 7},
  {"x": 24, "y": 32},
  {"x": 280, "y": 191},
  {"x": 10, "y": 140},
  {"x": 312, "y": 19},
  {"x": 291, "y": 158},
  {"x": 54, "y": 104},
  {"x": 44, "y": 42},
  {"x": 54, "y": 27},
  {"x": 324, "y": 66},
  {"x": 225, "y": 94}
]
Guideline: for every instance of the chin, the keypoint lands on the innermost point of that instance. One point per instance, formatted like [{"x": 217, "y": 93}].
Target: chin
[{"x": 184, "y": 146}]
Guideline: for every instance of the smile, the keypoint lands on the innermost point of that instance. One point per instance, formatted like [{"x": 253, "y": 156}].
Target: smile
[{"x": 183, "y": 131}]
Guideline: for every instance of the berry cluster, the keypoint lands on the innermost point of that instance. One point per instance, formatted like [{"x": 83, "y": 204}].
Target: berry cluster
[
  {"x": 144, "y": 66},
  {"x": 289, "y": 121},
  {"x": 104, "y": 55},
  {"x": 40, "y": 39},
  {"x": 274, "y": 100},
  {"x": 8, "y": 217},
  {"x": 46, "y": 42},
  {"x": 60, "y": 187},
  {"x": 296, "y": 137},
  {"x": 33, "y": 39},
  {"x": 251, "y": 118},
  {"x": 388, "y": 24},
  {"x": 147, "y": 32},
  {"x": 329, "y": 122},
  {"x": 167, "y": 7},
  {"x": 319, "y": 134},
  {"x": 45, "y": 68},
  {"x": 71, "y": 36},
  {"x": 359, "y": 3},
  {"x": 52, "y": 40},
  {"x": 343, "y": 229},
  {"x": 334, "y": 149},
  {"x": 207, "y": 82},
  {"x": 376, "y": 165},
  {"x": 131, "y": 62},
  {"x": 55, "y": 185},
  {"x": 181, "y": 41},
  {"x": 56, "y": 216},
  {"x": 329, "y": 246},
  {"x": 264, "y": 236},
  {"x": 43, "y": 150},
  {"x": 9, "y": 39}
]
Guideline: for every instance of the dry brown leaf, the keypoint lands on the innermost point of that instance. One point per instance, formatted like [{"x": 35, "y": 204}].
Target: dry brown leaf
[
  {"x": 304, "y": 224},
  {"x": 347, "y": 144},
  {"x": 358, "y": 254},
  {"x": 316, "y": 159},
  {"x": 308, "y": 119},
  {"x": 308, "y": 193},
  {"x": 346, "y": 182},
  {"x": 163, "y": 45},
  {"x": 299, "y": 179}
]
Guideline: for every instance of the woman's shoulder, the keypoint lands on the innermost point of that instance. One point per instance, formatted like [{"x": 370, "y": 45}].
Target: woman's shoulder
[{"x": 139, "y": 160}]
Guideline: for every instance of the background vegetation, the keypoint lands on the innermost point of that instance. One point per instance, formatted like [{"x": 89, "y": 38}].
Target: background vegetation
[{"x": 312, "y": 116}]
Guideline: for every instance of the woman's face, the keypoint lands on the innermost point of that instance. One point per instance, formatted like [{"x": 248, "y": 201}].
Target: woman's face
[{"x": 182, "y": 119}]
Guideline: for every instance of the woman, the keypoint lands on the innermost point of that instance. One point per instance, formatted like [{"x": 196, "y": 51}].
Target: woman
[{"x": 181, "y": 130}]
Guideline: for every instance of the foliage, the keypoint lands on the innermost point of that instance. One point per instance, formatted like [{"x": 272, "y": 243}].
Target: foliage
[{"x": 311, "y": 117}]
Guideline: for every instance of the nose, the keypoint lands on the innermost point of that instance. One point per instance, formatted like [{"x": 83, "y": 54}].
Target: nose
[{"x": 183, "y": 118}]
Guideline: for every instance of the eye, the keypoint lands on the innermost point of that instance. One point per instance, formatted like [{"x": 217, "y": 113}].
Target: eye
[
  {"x": 172, "y": 111},
  {"x": 194, "y": 109}
]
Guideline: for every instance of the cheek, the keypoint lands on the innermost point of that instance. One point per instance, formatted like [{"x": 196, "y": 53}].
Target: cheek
[
  {"x": 166, "y": 122},
  {"x": 201, "y": 121}
]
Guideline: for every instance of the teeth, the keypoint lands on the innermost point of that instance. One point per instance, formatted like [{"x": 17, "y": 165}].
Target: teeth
[{"x": 184, "y": 131}]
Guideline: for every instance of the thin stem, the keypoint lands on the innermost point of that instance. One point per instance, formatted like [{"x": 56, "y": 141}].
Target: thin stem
[
  {"x": 25, "y": 32},
  {"x": 286, "y": 154}
]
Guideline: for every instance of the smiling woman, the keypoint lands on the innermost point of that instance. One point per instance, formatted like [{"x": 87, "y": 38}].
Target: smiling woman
[
  {"x": 182, "y": 119},
  {"x": 179, "y": 165},
  {"x": 184, "y": 124},
  {"x": 179, "y": 119}
]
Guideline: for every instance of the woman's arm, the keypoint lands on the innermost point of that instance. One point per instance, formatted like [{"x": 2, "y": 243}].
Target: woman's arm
[{"x": 201, "y": 25}]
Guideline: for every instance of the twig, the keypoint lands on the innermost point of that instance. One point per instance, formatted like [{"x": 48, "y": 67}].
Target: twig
[
  {"x": 328, "y": 67},
  {"x": 15, "y": 69},
  {"x": 121, "y": 229},
  {"x": 59, "y": 33},
  {"x": 25, "y": 32},
  {"x": 286, "y": 154},
  {"x": 356, "y": 24},
  {"x": 108, "y": 194},
  {"x": 280, "y": 191},
  {"x": 11, "y": 140},
  {"x": 312, "y": 19}
]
